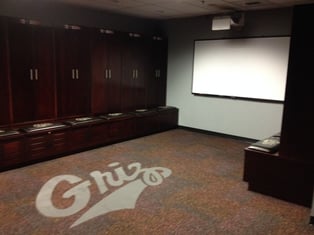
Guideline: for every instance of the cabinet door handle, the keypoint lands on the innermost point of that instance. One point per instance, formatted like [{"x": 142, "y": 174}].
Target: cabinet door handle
[
  {"x": 133, "y": 73},
  {"x": 109, "y": 75},
  {"x": 77, "y": 74},
  {"x": 31, "y": 74},
  {"x": 36, "y": 74},
  {"x": 106, "y": 73},
  {"x": 136, "y": 73},
  {"x": 73, "y": 74}
]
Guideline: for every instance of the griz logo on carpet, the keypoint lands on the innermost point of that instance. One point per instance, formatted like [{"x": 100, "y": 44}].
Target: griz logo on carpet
[{"x": 130, "y": 183}]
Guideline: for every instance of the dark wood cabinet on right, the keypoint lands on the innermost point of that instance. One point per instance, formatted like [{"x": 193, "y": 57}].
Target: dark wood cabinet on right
[
  {"x": 274, "y": 175},
  {"x": 297, "y": 125},
  {"x": 289, "y": 174}
]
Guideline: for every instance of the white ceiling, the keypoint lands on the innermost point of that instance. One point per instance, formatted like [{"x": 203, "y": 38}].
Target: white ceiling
[{"x": 169, "y": 9}]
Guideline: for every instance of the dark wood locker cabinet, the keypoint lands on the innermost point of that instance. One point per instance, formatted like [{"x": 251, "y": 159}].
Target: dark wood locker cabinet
[
  {"x": 297, "y": 127},
  {"x": 5, "y": 117},
  {"x": 73, "y": 71},
  {"x": 157, "y": 79},
  {"x": 135, "y": 63},
  {"x": 106, "y": 71},
  {"x": 32, "y": 71}
]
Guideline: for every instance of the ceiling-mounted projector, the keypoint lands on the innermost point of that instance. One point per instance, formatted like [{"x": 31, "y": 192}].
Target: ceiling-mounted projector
[
  {"x": 221, "y": 23},
  {"x": 235, "y": 20}
]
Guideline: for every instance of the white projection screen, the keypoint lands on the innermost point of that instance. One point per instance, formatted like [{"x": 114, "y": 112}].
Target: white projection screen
[{"x": 254, "y": 68}]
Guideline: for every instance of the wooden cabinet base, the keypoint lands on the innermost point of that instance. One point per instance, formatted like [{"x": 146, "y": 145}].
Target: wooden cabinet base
[
  {"x": 32, "y": 145},
  {"x": 276, "y": 176},
  {"x": 12, "y": 151}
]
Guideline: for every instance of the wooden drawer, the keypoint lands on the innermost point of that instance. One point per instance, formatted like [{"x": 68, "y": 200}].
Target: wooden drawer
[
  {"x": 99, "y": 134},
  {"x": 46, "y": 144},
  {"x": 11, "y": 152},
  {"x": 79, "y": 138},
  {"x": 121, "y": 130}
]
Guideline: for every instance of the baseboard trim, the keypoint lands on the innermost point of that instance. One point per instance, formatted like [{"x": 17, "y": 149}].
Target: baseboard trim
[{"x": 218, "y": 134}]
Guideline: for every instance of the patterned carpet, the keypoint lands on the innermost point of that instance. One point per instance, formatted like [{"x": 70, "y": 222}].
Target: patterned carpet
[{"x": 175, "y": 182}]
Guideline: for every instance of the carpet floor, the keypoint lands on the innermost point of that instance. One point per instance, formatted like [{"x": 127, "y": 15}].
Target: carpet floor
[{"x": 175, "y": 182}]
